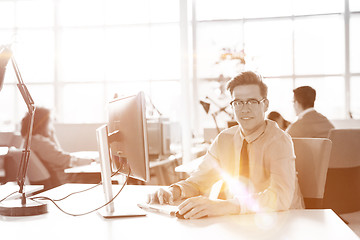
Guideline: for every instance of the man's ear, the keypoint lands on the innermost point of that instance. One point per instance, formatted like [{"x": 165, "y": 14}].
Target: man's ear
[{"x": 266, "y": 104}]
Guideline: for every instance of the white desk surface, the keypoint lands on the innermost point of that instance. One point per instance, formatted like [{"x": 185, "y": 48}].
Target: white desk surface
[
  {"x": 4, "y": 150},
  {"x": 292, "y": 225}
]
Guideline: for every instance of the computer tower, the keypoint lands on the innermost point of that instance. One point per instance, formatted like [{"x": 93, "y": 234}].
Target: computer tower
[{"x": 159, "y": 136}]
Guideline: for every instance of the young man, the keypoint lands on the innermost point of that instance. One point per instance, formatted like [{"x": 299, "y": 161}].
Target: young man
[
  {"x": 310, "y": 123},
  {"x": 256, "y": 160}
]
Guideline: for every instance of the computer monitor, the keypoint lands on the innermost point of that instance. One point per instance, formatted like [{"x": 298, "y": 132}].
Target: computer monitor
[
  {"x": 128, "y": 136},
  {"x": 122, "y": 146}
]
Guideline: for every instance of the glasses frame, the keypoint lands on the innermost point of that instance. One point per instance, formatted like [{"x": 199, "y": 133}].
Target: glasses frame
[{"x": 241, "y": 104}]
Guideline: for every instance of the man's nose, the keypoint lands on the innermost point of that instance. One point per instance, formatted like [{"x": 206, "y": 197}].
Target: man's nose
[{"x": 245, "y": 108}]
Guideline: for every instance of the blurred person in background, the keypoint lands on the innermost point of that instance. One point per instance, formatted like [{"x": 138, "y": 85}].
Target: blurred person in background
[
  {"x": 310, "y": 123},
  {"x": 47, "y": 148},
  {"x": 279, "y": 119}
]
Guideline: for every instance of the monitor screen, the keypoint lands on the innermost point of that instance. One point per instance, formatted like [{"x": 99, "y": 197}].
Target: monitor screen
[{"x": 128, "y": 136}]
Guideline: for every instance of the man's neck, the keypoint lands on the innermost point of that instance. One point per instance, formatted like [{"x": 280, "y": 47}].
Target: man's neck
[
  {"x": 260, "y": 128},
  {"x": 305, "y": 111}
]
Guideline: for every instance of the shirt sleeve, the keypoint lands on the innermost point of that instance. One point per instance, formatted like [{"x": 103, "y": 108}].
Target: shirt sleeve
[
  {"x": 50, "y": 152},
  {"x": 201, "y": 181},
  {"x": 282, "y": 183}
]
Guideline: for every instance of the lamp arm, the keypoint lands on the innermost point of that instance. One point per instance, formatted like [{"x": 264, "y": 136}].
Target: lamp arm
[
  {"x": 22, "y": 206},
  {"x": 216, "y": 124},
  {"x": 26, "y": 151},
  {"x": 221, "y": 109}
]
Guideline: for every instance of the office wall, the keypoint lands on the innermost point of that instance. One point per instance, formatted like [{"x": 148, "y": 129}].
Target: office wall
[
  {"x": 77, "y": 137},
  {"x": 346, "y": 123}
]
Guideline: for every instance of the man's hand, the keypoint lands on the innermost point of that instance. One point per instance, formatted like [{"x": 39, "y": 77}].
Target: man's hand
[
  {"x": 165, "y": 195},
  {"x": 198, "y": 207}
]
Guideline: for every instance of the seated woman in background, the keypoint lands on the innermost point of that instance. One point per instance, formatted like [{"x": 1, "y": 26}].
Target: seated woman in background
[
  {"x": 47, "y": 148},
  {"x": 282, "y": 123}
]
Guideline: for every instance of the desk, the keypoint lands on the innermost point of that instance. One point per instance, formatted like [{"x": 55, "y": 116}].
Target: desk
[
  {"x": 11, "y": 187},
  {"x": 91, "y": 173},
  {"x": 293, "y": 225}
]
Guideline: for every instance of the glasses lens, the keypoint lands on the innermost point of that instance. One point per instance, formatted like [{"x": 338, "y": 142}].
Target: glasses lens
[
  {"x": 253, "y": 102},
  {"x": 236, "y": 103}
]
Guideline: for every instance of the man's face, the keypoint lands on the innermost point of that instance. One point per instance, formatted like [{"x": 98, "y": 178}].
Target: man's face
[
  {"x": 250, "y": 117},
  {"x": 297, "y": 107}
]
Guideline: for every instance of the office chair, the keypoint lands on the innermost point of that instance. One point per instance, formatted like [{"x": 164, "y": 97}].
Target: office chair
[
  {"x": 342, "y": 190},
  {"x": 312, "y": 160},
  {"x": 37, "y": 173}
]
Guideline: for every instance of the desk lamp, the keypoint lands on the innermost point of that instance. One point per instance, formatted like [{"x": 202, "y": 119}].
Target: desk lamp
[
  {"x": 22, "y": 206},
  {"x": 206, "y": 107}
]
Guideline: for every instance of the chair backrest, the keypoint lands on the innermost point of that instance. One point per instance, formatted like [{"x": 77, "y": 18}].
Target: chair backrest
[
  {"x": 345, "y": 152},
  {"x": 342, "y": 190},
  {"x": 312, "y": 160},
  {"x": 36, "y": 171}
]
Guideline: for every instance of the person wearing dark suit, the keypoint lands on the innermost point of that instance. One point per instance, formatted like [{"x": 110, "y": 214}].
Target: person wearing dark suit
[{"x": 310, "y": 123}]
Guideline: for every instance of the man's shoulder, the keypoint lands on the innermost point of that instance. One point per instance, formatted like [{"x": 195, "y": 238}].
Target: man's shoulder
[
  {"x": 313, "y": 115},
  {"x": 229, "y": 132},
  {"x": 317, "y": 118},
  {"x": 273, "y": 129},
  {"x": 274, "y": 134},
  {"x": 276, "y": 142}
]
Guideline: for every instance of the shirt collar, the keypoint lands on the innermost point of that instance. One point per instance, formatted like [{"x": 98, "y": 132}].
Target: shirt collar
[
  {"x": 255, "y": 135},
  {"x": 305, "y": 112}
]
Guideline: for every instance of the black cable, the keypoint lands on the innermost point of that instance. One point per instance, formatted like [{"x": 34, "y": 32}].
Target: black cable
[
  {"x": 98, "y": 184},
  {"x": 60, "y": 199},
  {"x": 81, "y": 214},
  {"x": 8, "y": 196}
]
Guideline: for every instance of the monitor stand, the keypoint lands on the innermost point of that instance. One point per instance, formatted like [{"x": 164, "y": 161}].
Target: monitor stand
[
  {"x": 123, "y": 212},
  {"x": 109, "y": 211}
]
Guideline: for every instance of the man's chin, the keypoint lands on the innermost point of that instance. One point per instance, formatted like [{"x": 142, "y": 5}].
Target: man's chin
[{"x": 246, "y": 126}]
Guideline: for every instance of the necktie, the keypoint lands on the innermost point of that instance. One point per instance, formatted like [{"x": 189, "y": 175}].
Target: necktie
[{"x": 244, "y": 160}]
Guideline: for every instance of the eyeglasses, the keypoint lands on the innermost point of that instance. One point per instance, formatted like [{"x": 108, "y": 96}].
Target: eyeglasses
[{"x": 251, "y": 103}]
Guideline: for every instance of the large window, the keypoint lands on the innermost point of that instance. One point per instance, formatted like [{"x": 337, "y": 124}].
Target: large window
[
  {"x": 291, "y": 43},
  {"x": 75, "y": 55}
]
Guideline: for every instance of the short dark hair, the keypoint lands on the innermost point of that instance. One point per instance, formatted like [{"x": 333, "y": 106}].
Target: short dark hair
[
  {"x": 41, "y": 119},
  {"x": 305, "y": 95},
  {"x": 248, "y": 78},
  {"x": 274, "y": 115}
]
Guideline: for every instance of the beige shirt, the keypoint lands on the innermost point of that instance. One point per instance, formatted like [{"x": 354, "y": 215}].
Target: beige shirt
[
  {"x": 272, "y": 183},
  {"x": 51, "y": 154}
]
